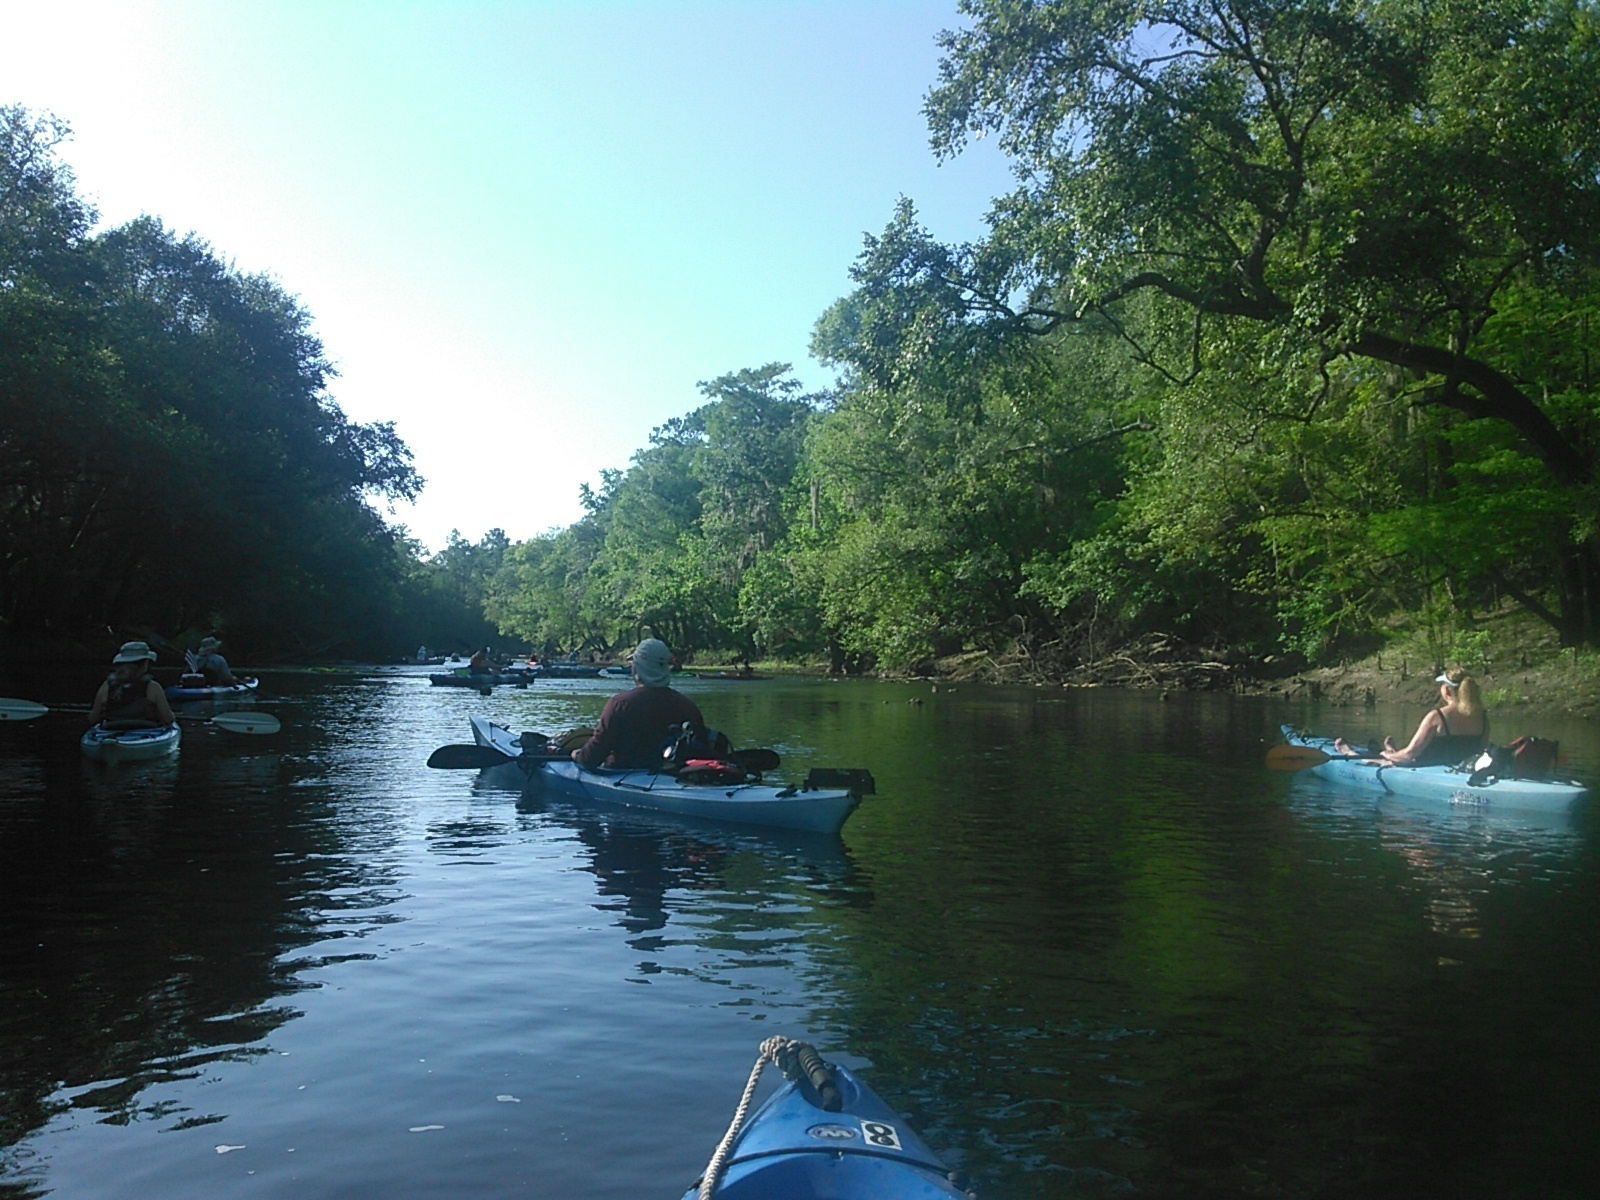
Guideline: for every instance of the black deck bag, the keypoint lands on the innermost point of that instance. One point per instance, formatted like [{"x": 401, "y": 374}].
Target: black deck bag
[
  {"x": 1495, "y": 762},
  {"x": 688, "y": 740}
]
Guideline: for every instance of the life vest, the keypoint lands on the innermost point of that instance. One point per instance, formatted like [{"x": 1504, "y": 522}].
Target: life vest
[{"x": 129, "y": 700}]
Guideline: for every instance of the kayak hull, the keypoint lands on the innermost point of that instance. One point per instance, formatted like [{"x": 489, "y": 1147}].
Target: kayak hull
[
  {"x": 516, "y": 678},
  {"x": 815, "y": 810},
  {"x": 1447, "y": 784},
  {"x": 245, "y": 687},
  {"x": 794, "y": 1149},
  {"x": 100, "y": 744}
]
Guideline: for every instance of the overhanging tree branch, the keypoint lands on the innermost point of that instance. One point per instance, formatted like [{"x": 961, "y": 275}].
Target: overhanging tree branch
[{"x": 1492, "y": 394}]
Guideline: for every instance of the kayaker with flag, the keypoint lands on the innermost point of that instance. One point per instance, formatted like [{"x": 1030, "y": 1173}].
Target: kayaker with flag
[
  {"x": 130, "y": 697},
  {"x": 212, "y": 665},
  {"x": 1456, "y": 730},
  {"x": 634, "y": 724}
]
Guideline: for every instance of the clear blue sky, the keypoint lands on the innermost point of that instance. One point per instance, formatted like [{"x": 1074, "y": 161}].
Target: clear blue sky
[{"x": 525, "y": 230}]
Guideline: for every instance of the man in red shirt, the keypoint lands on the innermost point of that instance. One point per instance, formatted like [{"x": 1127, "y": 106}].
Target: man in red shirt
[{"x": 633, "y": 724}]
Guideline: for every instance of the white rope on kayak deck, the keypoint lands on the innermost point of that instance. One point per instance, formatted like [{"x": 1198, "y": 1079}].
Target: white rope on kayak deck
[{"x": 770, "y": 1050}]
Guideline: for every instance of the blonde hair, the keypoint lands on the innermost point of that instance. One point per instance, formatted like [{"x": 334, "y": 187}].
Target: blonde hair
[{"x": 1469, "y": 700}]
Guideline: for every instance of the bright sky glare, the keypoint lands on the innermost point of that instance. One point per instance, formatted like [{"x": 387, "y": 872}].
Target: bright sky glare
[{"x": 525, "y": 230}]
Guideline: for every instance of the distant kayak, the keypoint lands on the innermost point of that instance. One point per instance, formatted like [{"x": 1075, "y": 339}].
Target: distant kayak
[
  {"x": 103, "y": 744},
  {"x": 566, "y": 670},
  {"x": 1438, "y": 783},
  {"x": 462, "y": 679},
  {"x": 824, "y": 1135},
  {"x": 243, "y": 688}
]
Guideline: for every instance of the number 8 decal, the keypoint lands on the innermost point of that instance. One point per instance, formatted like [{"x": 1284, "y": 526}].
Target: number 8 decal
[{"x": 879, "y": 1134}]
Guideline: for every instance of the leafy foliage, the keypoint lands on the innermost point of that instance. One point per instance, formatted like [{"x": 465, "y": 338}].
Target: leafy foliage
[
  {"x": 170, "y": 457},
  {"x": 1285, "y": 333}
]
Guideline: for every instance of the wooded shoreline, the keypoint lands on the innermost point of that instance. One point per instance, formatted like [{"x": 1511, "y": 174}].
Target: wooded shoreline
[
  {"x": 1535, "y": 676},
  {"x": 1260, "y": 375}
]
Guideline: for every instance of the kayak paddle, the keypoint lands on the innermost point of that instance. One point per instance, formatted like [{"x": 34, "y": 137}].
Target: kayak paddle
[
  {"x": 462, "y": 757},
  {"x": 233, "y": 722},
  {"x": 1295, "y": 758},
  {"x": 240, "y": 722},
  {"x": 20, "y": 710}
]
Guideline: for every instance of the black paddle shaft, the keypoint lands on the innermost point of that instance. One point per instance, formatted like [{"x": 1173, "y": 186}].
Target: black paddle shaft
[{"x": 461, "y": 757}]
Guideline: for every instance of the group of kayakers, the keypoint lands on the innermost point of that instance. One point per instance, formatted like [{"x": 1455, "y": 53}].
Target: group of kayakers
[
  {"x": 130, "y": 697},
  {"x": 634, "y": 724},
  {"x": 1457, "y": 729}
]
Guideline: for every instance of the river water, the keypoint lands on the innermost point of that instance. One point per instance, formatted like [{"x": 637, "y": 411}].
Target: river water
[{"x": 1082, "y": 939}]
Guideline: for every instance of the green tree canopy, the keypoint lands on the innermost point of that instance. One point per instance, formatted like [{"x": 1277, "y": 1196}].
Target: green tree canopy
[
  {"x": 170, "y": 456},
  {"x": 1360, "y": 181}
]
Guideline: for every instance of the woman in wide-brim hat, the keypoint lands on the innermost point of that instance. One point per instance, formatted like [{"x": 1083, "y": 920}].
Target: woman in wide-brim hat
[{"x": 130, "y": 697}]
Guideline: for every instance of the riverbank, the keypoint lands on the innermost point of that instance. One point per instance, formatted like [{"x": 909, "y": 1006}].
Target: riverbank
[{"x": 1517, "y": 660}]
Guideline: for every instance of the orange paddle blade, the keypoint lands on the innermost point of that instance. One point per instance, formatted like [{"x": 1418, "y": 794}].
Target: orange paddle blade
[{"x": 1295, "y": 758}]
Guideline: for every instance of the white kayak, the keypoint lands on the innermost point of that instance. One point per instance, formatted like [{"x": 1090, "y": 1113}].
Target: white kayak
[
  {"x": 129, "y": 745},
  {"x": 1451, "y": 784},
  {"x": 245, "y": 687},
  {"x": 816, "y": 809}
]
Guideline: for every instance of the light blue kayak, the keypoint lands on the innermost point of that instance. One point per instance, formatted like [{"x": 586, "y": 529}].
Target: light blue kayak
[
  {"x": 824, "y": 1135},
  {"x": 813, "y": 809},
  {"x": 128, "y": 745},
  {"x": 1449, "y": 784}
]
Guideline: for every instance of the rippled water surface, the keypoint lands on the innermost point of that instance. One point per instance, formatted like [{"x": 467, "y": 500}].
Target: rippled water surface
[{"x": 1084, "y": 940}]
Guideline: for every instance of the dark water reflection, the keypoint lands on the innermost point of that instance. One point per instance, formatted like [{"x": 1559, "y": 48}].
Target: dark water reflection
[{"x": 1084, "y": 940}]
